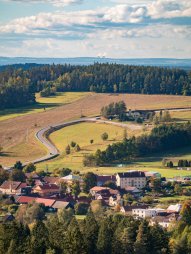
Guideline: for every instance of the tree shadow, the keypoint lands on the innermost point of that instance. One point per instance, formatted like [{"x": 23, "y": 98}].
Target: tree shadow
[
  {"x": 6, "y": 154},
  {"x": 26, "y": 109}
]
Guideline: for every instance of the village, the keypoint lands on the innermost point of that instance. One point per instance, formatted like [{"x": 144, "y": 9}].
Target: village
[{"x": 131, "y": 193}]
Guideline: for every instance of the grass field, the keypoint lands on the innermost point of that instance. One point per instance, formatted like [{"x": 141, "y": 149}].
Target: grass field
[
  {"x": 42, "y": 104},
  {"x": 181, "y": 115},
  {"x": 82, "y": 133},
  {"x": 173, "y": 199},
  {"x": 13, "y": 130}
]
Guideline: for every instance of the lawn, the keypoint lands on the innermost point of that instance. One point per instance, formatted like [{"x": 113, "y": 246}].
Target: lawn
[
  {"x": 71, "y": 106},
  {"x": 81, "y": 134},
  {"x": 43, "y": 104},
  {"x": 173, "y": 199},
  {"x": 181, "y": 115}
]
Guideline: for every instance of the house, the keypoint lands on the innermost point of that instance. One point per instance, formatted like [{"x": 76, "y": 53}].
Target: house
[
  {"x": 71, "y": 178},
  {"x": 174, "y": 208},
  {"x": 101, "y": 190},
  {"x": 102, "y": 179},
  {"x": 45, "y": 201},
  {"x": 152, "y": 174},
  {"x": 97, "y": 189},
  {"x": 32, "y": 175},
  {"x": 115, "y": 200},
  {"x": 131, "y": 178},
  {"x": 46, "y": 189},
  {"x": 13, "y": 188},
  {"x": 25, "y": 199},
  {"x": 138, "y": 113},
  {"x": 127, "y": 210},
  {"x": 146, "y": 213},
  {"x": 164, "y": 221},
  {"x": 51, "y": 180},
  {"x": 133, "y": 191}
]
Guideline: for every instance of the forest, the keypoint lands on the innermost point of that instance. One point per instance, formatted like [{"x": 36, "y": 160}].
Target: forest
[
  {"x": 101, "y": 78},
  {"x": 162, "y": 138},
  {"x": 98, "y": 233}
]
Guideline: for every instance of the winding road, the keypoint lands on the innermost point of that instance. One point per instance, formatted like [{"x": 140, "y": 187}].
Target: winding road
[{"x": 42, "y": 135}]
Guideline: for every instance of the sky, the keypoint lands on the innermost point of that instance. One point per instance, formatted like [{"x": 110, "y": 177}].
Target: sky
[{"x": 91, "y": 28}]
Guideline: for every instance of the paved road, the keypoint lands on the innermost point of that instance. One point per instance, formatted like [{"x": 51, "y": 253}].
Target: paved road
[{"x": 42, "y": 135}]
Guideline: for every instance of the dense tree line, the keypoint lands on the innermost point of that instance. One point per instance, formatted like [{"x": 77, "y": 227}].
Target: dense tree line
[
  {"x": 114, "y": 109},
  {"x": 161, "y": 138},
  {"x": 34, "y": 233},
  {"x": 17, "y": 91},
  {"x": 98, "y": 78},
  {"x": 62, "y": 233}
]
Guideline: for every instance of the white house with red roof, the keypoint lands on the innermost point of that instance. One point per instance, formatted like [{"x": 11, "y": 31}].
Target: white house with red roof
[{"x": 12, "y": 187}]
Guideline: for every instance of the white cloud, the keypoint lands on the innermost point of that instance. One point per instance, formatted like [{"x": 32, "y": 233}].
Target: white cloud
[
  {"x": 111, "y": 31},
  {"x": 169, "y": 9},
  {"x": 58, "y": 3},
  {"x": 125, "y": 13}
]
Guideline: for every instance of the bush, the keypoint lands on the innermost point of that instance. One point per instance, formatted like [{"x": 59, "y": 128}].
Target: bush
[
  {"x": 29, "y": 168},
  {"x": 67, "y": 149},
  {"x": 73, "y": 144},
  {"x": 104, "y": 136},
  {"x": 89, "y": 160},
  {"x": 81, "y": 208},
  {"x": 77, "y": 148}
]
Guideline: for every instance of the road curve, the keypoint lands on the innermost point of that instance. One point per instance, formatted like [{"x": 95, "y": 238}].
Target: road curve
[{"x": 42, "y": 135}]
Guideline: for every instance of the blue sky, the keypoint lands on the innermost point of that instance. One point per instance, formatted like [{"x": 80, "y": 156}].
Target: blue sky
[{"x": 111, "y": 28}]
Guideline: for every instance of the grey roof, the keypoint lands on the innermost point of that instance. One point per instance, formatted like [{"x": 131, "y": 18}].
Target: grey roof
[{"x": 131, "y": 174}]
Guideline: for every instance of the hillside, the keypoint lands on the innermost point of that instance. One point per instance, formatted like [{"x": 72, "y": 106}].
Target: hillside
[{"x": 165, "y": 62}]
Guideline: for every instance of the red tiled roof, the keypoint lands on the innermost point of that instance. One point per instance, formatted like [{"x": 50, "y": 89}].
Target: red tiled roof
[
  {"x": 51, "y": 179},
  {"x": 10, "y": 184},
  {"x": 98, "y": 188},
  {"x": 46, "y": 202},
  {"x": 22, "y": 185},
  {"x": 25, "y": 199}
]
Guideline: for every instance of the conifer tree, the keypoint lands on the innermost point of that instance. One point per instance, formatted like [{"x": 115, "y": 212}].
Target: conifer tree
[
  {"x": 8, "y": 231},
  {"x": 127, "y": 241},
  {"x": 39, "y": 238},
  {"x": 104, "y": 243},
  {"x": 91, "y": 232},
  {"x": 186, "y": 213},
  {"x": 74, "y": 239},
  {"x": 57, "y": 233},
  {"x": 159, "y": 240},
  {"x": 142, "y": 244}
]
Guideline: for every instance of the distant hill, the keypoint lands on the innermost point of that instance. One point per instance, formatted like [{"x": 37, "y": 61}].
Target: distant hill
[{"x": 166, "y": 62}]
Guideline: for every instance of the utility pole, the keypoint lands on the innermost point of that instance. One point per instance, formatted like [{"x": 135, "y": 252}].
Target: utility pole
[{"x": 27, "y": 136}]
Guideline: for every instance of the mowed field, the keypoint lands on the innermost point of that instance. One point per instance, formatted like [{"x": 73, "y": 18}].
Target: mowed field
[
  {"x": 181, "y": 115},
  {"x": 42, "y": 104},
  {"x": 18, "y": 132},
  {"x": 82, "y": 133}
]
